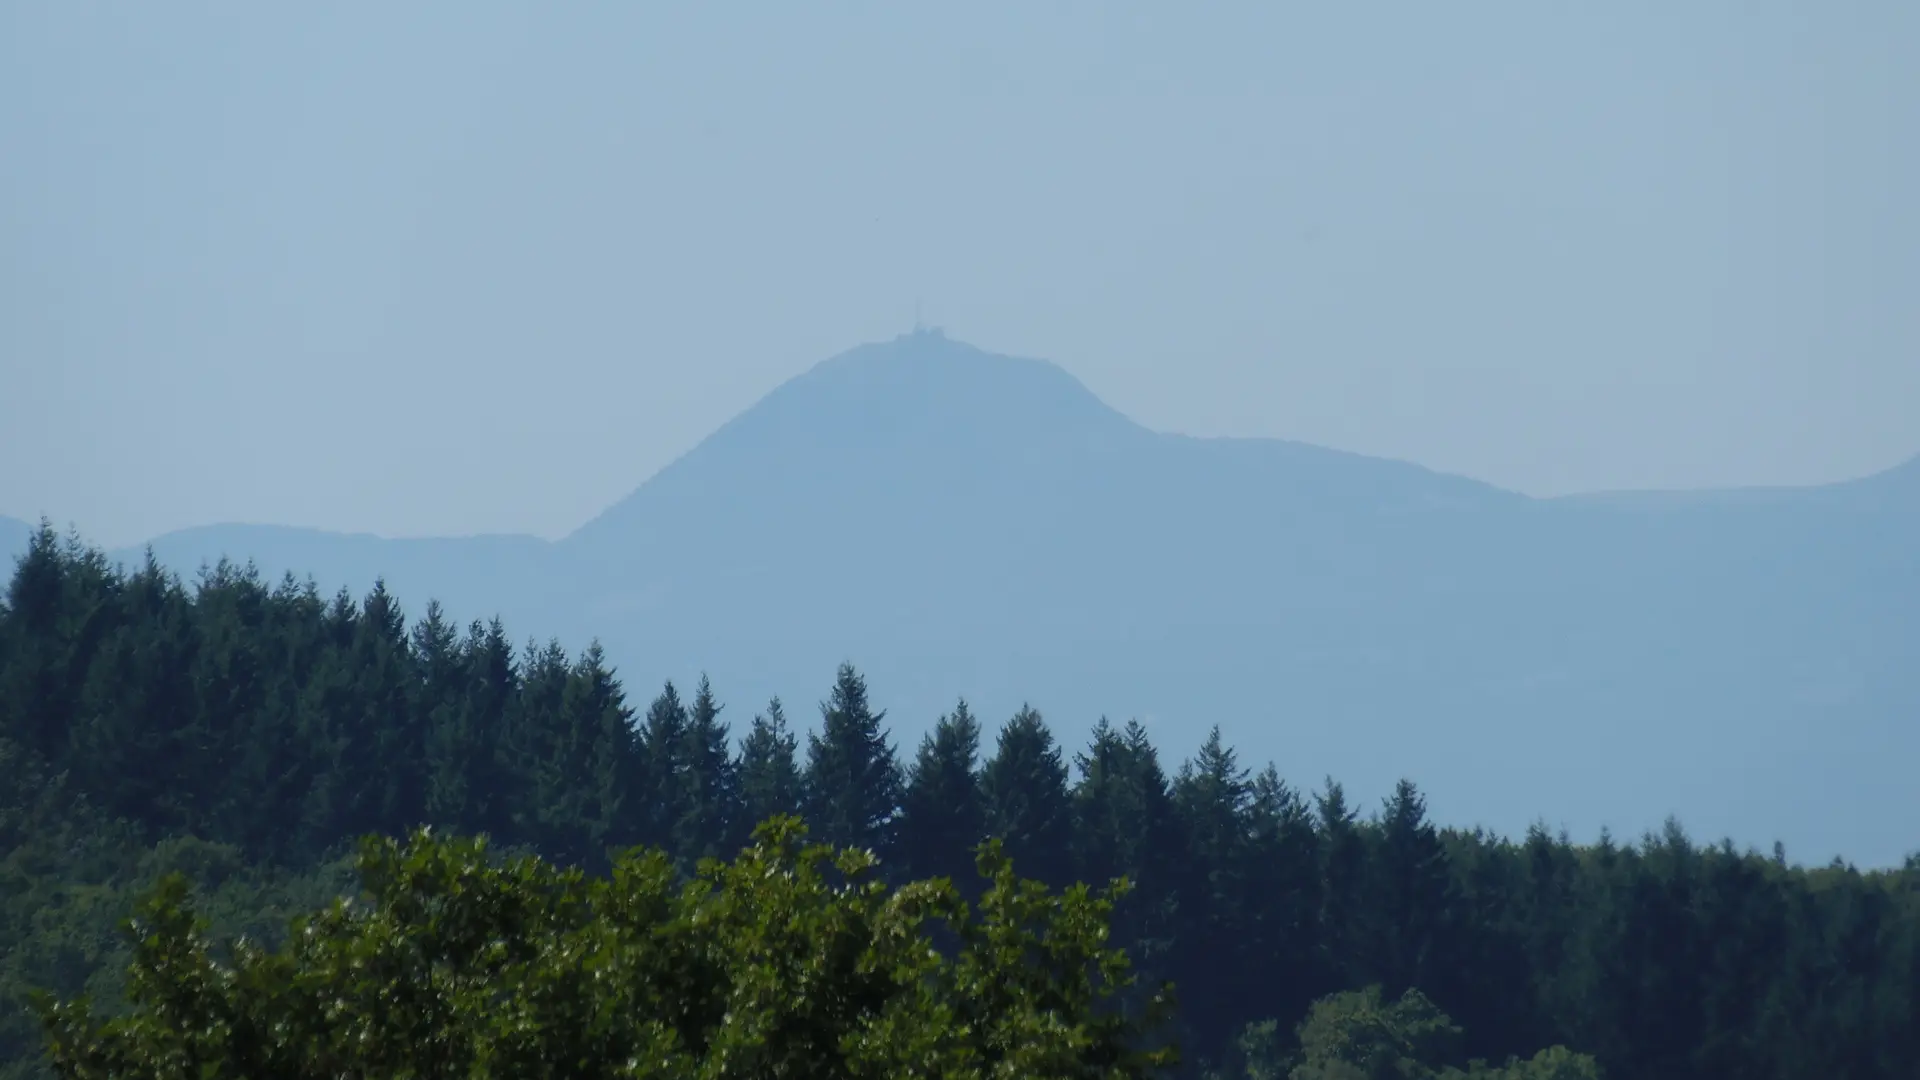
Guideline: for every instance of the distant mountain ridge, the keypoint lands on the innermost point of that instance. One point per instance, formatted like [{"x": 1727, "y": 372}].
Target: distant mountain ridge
[{"x": 957, "y": 522}]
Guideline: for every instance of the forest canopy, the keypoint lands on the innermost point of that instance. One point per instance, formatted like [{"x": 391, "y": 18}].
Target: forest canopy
[{"x": 247, "y": 734}]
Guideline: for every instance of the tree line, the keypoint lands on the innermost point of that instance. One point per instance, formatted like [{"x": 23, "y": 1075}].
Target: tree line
[{"x": 251, "y": 731}]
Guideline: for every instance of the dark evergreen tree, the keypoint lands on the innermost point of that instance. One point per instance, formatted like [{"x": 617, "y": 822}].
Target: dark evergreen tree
[
  {"x": 1212, "y": 795},
  {"x": 768, "y": 771},
  {"x": 1408, "y": 893},
  {"x": 555, "y": 753},
  {"x": 1125, "y": 827},
  {"x": 482, "y": 732},
  {"x": 60, "y": 605},
  {"x": 451, "y": 749},
  {"x": 1024, "y": 787},
  {"x": 274, "y": 790},
  {"x": 710, "y": 809},
  {"x": 328, "y": 720},
  {"x": 600, "y": 729},
  {"x": 664, "y": 783},
  {"x": 942, "y": 817},
  {"x": 1283, "y": 895},
  {"x": 852, "y": 779},
  {"x": 1343, "y": 863},
  {"x": 139, "y": 734},
  {"x": 386, "y": 739}
]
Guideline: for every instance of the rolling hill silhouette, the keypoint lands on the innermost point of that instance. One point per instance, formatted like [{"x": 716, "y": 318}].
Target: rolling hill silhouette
[{"x": 957, "y": 522}]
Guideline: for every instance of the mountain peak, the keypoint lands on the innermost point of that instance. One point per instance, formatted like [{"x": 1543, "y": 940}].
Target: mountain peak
[
  {"x": 922, "y": 392},
  {"x": 922, "y": 411},
  {"x": 924, "y": 375}
]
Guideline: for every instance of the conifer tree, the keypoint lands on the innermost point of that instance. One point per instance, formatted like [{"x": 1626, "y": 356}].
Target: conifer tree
[
  {"x": 1211, "y": 796},
  {"x": 490, "y": 683},
  {"x": 1125, "y": 827},
  {"x": 600, "y": 722},
  {"x": 1343, "y": 865},
  {"x": 450, "y": 747},
  {"x": 389, "y": 738},
  {"x": 663, "y": 768},
  {"x": 1409, "y": 893},
  {"x": 768, "y": 771},
  {"x": 140, "y": 734},
  {"x": 1024, "y": 787},
  {"x": 58, "y": 591},
  {"x": 552, "y": 756},
  {"x": 852, "y": 778},
  {"x": 942, "y": 816},
  {"x": 1283, "y": 886},
  {"x": 710, "y": 808}
]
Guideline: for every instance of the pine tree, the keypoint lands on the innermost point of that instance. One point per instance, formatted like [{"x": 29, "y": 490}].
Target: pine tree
[
  {"x": 1409, "y": 893},
  {"x": 663, "y": 769},
  {"x": 1283, "y": 884},
  {"x": 389, "y": 738},
  {"x": 1125, "y": 827},
  {"x": 600, "y": 722},
  {"x": 942, "y": 816},
  {"x": 139, "y": 735},
  {"x": 852, "y": 779},
  {"x": 327, "y": 719},
  {"x": 768, "y": 771},
  {"x": 710, "y": 809},
  {"x": 1343, "y": 863},
  {"x": 1211, "y": 795},
  {"x": 58, "y": 603},
  {"x": 450, "y": 747},
  {"x": 286, "y": 753},
  {"x": 1024, "y": 786},
  {"x": 490, "y": 684},
  {"x": 246, "y": 735},
  {"x": 554, "y": 757}
]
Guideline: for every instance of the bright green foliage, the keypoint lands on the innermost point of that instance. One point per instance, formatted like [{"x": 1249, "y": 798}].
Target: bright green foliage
[
  {"x": 1358, "y": 1036},
  {"x": 1556, "y": 1063},
  {"x": 791, "y": 961},
  {"x": 1257, "y": 1053},
  {"x": 67, "y": 875}
]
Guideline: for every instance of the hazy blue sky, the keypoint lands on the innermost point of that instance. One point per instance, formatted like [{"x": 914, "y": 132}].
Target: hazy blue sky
[{"x": 452, "y": 267}]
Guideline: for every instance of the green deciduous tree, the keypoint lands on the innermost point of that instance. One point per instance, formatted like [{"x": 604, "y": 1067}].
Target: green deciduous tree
[
  {"x": 1360, "y": 1036},
  {"x": 458, "y": 964}
]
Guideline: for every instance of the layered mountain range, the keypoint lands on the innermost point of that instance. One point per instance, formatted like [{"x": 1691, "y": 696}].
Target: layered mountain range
[{"x": 961, "y": 523}]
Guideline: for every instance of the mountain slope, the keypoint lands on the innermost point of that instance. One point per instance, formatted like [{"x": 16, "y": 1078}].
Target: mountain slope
[
  {"x": 962, "y": 523},
  {"x": 965, "y": 523}
]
